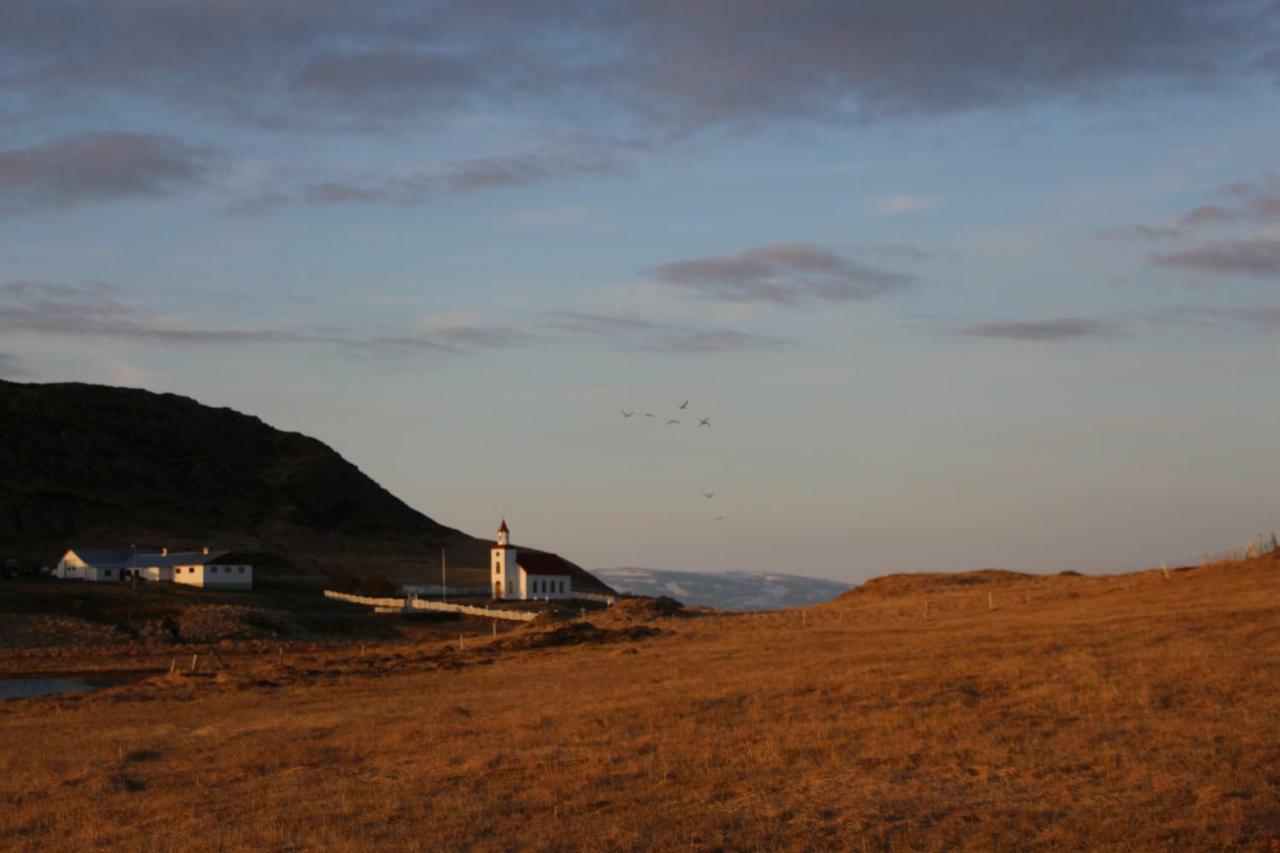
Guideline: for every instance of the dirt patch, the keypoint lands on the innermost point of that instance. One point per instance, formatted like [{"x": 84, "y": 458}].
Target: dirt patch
[{"x": 574, "y": 633}]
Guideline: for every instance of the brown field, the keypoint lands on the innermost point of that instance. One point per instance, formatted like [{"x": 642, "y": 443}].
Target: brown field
[{"x": 1131, "y": 711}]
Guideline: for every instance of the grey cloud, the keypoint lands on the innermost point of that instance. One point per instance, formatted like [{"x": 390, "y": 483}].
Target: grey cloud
[
  {"x": 1258, "y": 258},
  {"x": 1141, "y": 232},
  {"x": 561, "y": 161},
  {"x": 672, "y": 64},
  {"x": 385, "y": 76},
  {"x": 1260, "y": 205},
  {"x": 637, "y": 334},
  {"x": 782, "y": 274},
  {"x": 1261, "y": 320},
  {"x": 902, "y": 251},
  {"x": 97, "y": 309},
  {"x": 1052, "y": 330},
  {"x": 97, "y": 166},
  {"x": 10, "y": 367}
]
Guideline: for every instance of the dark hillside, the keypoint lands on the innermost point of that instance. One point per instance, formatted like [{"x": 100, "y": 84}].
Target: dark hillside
[{"x": 98, "y": 466}]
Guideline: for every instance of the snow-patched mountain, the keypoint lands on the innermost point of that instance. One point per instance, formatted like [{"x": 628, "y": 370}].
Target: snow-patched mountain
[{"x": 727, "y": 590}]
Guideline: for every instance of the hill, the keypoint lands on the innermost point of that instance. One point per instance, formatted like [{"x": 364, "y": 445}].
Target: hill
[
  {"x": 1124, "y": 712},
  {"x": 115, "y": 467},
  {"x": 728, "y": 590}
]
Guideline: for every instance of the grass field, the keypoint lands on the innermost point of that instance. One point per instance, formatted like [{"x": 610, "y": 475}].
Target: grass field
[{"x": 988, "y": 710}]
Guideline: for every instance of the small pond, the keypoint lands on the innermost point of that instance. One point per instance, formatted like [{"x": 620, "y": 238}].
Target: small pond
[{"x": 27, "y": 687}]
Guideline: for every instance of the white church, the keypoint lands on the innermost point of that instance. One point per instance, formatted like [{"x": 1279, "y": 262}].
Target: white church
[{"x": 528, "y": 575}]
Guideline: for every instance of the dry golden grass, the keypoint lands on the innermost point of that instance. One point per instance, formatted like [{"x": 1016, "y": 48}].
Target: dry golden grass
[{"x": 1126, "y": 712}]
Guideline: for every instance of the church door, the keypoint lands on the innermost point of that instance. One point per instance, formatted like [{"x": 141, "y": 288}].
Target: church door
[{"x": 497, "y": 589}]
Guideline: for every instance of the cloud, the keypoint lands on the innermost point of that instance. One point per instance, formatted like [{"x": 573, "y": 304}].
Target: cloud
[
  {"x": 1141, "y": 232},
  {"x": 1258, "y": 258},
  {"x": 563, "y": 160},
  {"x": 782, "y": 274},
  {"x": 1260, "y": 206},
  {"x": 1262, "y": 320},
  {"x": 101, "y": 310},
  {"x": 896, "y": 205},
  {"x": 1052, "y": 330},
  {"x": 902, "y": 251},
  {"x": 632, "y": 333},
  {"x": 386, "y": 77},
  {"x": 10, "y": 367},
  {"x": 666, "y": 64},
  {"x": 97, "y": 309},
  {"x": 98, "y": 166}
]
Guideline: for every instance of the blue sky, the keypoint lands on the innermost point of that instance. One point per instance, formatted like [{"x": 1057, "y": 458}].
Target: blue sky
[{"x": 958, "y": 287}]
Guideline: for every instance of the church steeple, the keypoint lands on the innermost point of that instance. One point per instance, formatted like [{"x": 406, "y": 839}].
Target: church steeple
[{"x": 503, "y": 533}]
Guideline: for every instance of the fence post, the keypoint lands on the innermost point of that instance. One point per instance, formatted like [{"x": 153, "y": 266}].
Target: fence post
[
  {"x": 194, "y": 658},
  {"x": 991, "y": 601}
]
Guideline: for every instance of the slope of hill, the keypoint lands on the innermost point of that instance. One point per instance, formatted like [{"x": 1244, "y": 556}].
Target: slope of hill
[
  {"x": 1124, "y": 712},
  {"x": 117, "y": 466},
  {"x": 728, "y": 590}
]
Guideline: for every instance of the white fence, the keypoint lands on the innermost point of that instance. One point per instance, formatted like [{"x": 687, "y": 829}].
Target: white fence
[
  {"x": 364, "y": 599},
  {"x": 607, "y": 600},
  {"x": 486, "y": 612},
  {"x": 400, "y": 605}
]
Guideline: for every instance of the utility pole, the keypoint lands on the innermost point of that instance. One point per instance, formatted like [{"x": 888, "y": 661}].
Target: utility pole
[{"x": 444, "y": 582}]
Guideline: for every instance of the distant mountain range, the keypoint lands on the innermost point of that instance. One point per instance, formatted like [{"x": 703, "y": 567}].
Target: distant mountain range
[{"x": 727, "y": 590}]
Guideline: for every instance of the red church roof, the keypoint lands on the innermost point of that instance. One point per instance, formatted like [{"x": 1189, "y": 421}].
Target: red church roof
[
  {"x": 543, "y": 564},
  {"x": 503, "y": 527}
]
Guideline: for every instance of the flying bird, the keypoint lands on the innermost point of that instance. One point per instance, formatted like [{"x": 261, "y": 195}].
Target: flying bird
[
  {"x": 673, "y": 421},
  {"x": 708, "y": 495},
  {"x": 648, "y": 414},
  {"x": 627, "y": 414},
  {"x": 719, "y": 518},
  {"x": 683, "y": 405},
  {"x": 704, "y": 422}
]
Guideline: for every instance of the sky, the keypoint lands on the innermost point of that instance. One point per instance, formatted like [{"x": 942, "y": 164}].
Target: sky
[{"x": 957, "y": 285}]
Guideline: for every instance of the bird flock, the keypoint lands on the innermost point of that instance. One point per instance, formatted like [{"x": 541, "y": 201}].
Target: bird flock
[{"x": 703, "y": 423}]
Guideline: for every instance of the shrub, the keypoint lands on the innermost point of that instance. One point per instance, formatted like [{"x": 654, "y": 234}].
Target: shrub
[
  {"x": 342, "y": 582},
  {"x": 376, "y": 585}
]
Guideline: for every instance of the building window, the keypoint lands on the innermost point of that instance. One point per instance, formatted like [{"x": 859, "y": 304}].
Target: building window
[
  {"x": 213, "y": 569},
  {"x": 106, "y": 573},
  {"x": 241, "y": 569}
]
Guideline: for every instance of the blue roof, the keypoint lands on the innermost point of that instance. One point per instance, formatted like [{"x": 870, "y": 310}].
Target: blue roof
[{"x": 112, "y": 558}]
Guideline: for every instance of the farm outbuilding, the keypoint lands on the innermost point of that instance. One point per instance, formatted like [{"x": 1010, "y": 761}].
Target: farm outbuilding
[{"x": 201, "y": 568}]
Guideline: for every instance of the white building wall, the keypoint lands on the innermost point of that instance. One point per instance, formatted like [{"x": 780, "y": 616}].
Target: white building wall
[
  {"x": 215, "y": 577},
  {"x": 538, "y": 587},
  {"x": 229, "y": 577},
  {"x": 70, "y": 567},
  {"x": 155, "y": 573},
  {"x": 502, "y": 567}
]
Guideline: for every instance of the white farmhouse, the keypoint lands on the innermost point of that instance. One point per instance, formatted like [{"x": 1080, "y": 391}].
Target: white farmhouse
[
  {"x": 528, "y": 575},
  {"x": 218, "y": 570}
]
